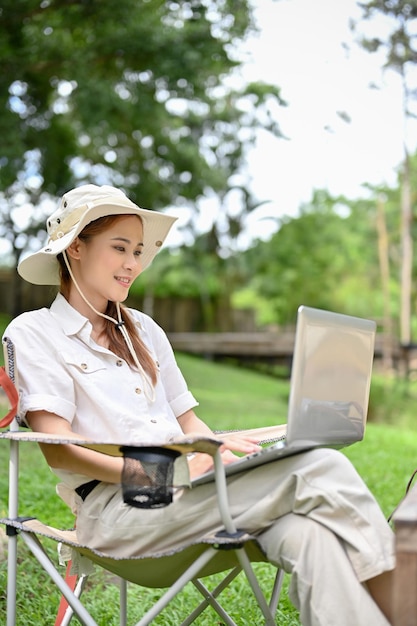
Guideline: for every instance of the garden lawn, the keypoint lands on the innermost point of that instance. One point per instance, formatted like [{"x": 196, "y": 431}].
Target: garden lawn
[{"x": 230, "y": 398}]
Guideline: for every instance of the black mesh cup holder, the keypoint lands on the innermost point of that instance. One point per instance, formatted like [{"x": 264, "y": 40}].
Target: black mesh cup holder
[{"x": 147, "y": 476}]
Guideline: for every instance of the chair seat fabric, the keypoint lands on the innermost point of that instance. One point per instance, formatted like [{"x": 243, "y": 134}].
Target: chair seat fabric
[{"x": 156, "y": 572}]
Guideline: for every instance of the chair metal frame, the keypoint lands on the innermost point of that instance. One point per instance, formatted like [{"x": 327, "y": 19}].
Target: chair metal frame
[{"x": 231, "y": 543}]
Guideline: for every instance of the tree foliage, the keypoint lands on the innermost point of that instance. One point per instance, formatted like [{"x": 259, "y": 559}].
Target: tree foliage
[
  {"x": 399, "y": 44},
  {"x": 399, "y": 47},
  {"x": 142, "y": 95},
  {"x": 306, "y": 261},
  {"x": 131, "y": 93},
  {"x": 326, "y": 257}
]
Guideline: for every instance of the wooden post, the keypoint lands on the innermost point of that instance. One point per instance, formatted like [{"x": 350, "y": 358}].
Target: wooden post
[
  {"x": 383, "y": 253},
  {"x": 405, "y": 575}
]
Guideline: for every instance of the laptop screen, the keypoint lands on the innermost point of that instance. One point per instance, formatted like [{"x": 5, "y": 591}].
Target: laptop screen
[{"x": 330, "y": 377}]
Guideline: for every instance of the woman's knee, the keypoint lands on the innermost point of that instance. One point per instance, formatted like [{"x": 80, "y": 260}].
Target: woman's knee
[
  {"x": 332, "y": 463},
  {"x": 293, "y": 538}
]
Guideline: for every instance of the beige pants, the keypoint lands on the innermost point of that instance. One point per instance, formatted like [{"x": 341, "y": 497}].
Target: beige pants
[{"x": 313, "y": 514}]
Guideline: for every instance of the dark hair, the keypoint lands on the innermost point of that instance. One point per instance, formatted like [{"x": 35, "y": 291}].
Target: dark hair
[{"x": 116, "y": 342}]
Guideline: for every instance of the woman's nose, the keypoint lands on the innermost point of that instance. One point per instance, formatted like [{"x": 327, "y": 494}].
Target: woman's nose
[{"x": 132, "y": 262}]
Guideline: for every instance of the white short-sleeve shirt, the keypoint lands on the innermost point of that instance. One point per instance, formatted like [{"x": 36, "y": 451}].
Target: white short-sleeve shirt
[{"x": 63, "y": 371}]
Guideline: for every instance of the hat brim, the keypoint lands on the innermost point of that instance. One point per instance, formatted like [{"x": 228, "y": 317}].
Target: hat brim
[{"x": 42, "y": 268}]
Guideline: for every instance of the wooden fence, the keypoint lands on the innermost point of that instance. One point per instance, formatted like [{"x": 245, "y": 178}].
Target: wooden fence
[{"x": 266, "y": 346}]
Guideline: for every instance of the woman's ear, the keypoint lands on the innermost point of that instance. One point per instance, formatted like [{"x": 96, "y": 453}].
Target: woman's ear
[{"x": 73, "y": 250}]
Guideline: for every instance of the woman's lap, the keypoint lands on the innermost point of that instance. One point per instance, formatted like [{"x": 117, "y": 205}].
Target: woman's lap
[{"x": 320, "y": 485}]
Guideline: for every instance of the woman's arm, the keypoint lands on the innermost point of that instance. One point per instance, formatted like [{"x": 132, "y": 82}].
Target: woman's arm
[
  {"x": 201, "y": 463},
  {"x": 109, "y": 469},
  {"x": 238, "y": 442},
  {"x": 70, "y": 457}
]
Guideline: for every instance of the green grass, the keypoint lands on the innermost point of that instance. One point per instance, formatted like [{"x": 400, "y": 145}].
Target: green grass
[{"x": 230, "y": 398}]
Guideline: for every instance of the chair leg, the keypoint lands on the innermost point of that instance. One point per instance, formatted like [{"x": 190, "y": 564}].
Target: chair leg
[
  {"x": 276, "y": 591},
  {"x": 262, "y": 603},
  {"x": 123, "y": 602},
  {"x": 210, "y": 597},
  {"x": 11, "y": 533},
  {"x": 11, "y": 579},
  {"x": 37, "y": 550},
  {"x": 191, "y": 573},
  {"x": 67, "y": 610}
]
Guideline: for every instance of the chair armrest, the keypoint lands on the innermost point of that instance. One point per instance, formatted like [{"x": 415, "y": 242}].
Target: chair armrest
[{"x": 184, "y": 445}]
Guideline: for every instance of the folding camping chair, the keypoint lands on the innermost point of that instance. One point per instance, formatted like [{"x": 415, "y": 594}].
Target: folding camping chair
[{"x": 229, "y": 551}]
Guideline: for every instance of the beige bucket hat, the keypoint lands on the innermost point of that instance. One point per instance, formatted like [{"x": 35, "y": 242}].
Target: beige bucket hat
[{"x": 79, "y": 207}]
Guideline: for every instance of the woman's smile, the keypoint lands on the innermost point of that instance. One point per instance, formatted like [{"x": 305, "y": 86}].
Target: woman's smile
[{"x": 125, "y": 282}]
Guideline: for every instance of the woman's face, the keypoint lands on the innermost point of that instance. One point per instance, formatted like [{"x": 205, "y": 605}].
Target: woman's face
[{"x": 106, "y": 264}]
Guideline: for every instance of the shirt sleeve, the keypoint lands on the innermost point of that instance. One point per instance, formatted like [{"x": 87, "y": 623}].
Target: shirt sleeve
[{"x": 42, "y": 380}]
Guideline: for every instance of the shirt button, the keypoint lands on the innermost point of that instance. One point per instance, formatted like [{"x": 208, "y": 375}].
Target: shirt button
[
  {"x": 119, "y": 363},
  {"x": 84, "y": 366},
  {"x": 154, "y": 421},
  {"x": 137, "y": 390}
]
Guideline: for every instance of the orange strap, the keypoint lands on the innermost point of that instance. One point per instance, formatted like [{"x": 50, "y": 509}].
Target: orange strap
[
  {"x": 71, "y": 580},
  {"x": 12, "y": 396}
]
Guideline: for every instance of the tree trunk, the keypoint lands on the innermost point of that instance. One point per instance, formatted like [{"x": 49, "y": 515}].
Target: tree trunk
[
  {"x": 407, "y": 254},
  {"x": 387, "y": 358}
]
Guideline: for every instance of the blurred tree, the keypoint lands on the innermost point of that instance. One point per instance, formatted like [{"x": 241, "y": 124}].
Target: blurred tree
[
  {"x": 138, "y": 94},
  {"x": 326, "y": 257},
  {"x": 399, "y": 48}
]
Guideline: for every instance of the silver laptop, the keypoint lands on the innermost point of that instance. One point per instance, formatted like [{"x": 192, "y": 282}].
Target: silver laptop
[{"x": 330, "y": 383}]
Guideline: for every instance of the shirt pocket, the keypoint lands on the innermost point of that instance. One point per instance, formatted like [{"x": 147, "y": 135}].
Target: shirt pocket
[{"x": 83, "y": 364}]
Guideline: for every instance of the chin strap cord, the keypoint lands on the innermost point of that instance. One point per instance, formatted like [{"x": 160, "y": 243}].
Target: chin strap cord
[{"x": 149, "y": 389}]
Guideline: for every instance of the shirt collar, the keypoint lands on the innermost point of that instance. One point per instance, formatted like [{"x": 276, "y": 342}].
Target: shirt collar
[{"x": 70, "y": 320}]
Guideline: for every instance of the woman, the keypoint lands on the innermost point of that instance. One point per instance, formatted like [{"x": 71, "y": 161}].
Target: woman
[{"x": 89, "y": 367}]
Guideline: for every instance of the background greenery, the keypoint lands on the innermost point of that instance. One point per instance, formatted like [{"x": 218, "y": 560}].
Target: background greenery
[
  {"x": 148, "y": 96},
  {"x": 230, "y": 398}
]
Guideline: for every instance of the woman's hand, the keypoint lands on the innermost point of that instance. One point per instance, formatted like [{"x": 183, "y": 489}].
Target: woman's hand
[
  {"x": 202, "y": 463},
  {"x": 238, "y": 442},
  {"x": 230, "y": 442}
]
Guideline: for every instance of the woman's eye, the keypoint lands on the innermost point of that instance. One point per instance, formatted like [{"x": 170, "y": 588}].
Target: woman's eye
[
  {"x": 119, "y": 248},
  {"x": 138, "y": 252}
]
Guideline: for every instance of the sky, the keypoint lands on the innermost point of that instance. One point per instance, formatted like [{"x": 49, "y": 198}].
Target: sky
[{"x": 300, "y": 49}]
